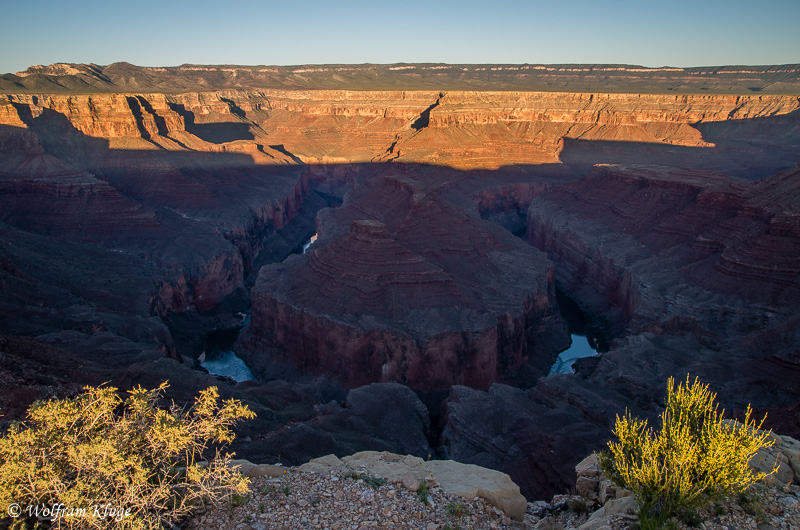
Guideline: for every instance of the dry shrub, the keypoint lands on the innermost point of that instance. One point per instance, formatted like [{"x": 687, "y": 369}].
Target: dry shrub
[
  {"x": 74, "y": 455},
  {"x": 694, "y": 458}
]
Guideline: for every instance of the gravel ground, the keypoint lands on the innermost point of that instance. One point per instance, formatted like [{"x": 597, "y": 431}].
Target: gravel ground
[
  {"x": 767, "y": 509},
  {"x": 299, "y": 500},
  {"x": 308, "y": 500}
]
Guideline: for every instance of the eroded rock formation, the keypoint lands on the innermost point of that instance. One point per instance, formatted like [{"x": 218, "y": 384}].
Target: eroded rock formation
[
  {"x": 123, "y": 213},
  {"x": 403, "y": 285},
  {"x": 709, "y": 243},
  {"x": 457, "y": 128}
]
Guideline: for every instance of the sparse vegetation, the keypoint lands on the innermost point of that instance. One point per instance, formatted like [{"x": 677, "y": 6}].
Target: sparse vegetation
[
  {"x": 237, "y": 499},
  {"x": 375, "y": 482},
  {"x": 650, "y": 522},
  {"x": 694, "y": 458},
  {"x": 456, "y": 509},
  {"x": 141, "y": 461},
  {"x": 267, "y": 490},
  {"x": 578, "y": 505},
  {"x": 752, "y": 504},
  {"x": 422, "y": 492}
]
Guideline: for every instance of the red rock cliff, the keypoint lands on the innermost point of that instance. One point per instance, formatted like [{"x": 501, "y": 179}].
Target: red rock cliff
[
  {"x": 402, "y": 285},
  {"x": 459, "y": 129}
]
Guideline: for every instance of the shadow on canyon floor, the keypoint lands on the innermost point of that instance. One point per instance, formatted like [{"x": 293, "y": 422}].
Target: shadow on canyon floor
[
  {"x": 216, "y": 133},
  {"x": 751, "y": 149},
  {"x": 78, "y": 295}
]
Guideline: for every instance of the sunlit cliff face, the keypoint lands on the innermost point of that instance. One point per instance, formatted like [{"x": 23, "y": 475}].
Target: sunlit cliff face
[
  {"x": 457, "y": 129},
  {"x": 132, "y": 224}
]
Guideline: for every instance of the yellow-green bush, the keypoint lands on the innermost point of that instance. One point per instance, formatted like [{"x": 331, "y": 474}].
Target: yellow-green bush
[
  {"x": 694, "y": 458},
  {"x": 76, "y": 460}
]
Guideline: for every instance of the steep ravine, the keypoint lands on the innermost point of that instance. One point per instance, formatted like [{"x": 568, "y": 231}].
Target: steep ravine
[
  {"x": 124, "y": 211},
  {"x": 509, "y": 207},
  {"x": 260, "y": 245}
]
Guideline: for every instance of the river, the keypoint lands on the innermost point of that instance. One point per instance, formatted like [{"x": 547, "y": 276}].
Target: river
[
  {"x": 590, "y": 335},
  {"x": 220, "y": 358}
]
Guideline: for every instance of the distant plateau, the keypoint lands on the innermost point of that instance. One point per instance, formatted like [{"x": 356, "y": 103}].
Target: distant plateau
[{"x": 466, "y": 221}]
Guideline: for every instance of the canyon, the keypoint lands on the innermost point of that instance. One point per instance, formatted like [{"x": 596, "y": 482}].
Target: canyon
[{"x": 423, "y": 319}]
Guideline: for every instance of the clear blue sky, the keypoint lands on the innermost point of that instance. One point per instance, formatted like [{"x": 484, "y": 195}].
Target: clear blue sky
[{"x": 169, "y": 33}]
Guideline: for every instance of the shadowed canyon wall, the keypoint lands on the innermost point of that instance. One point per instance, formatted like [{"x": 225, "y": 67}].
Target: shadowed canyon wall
[
  {"x": 405, "y": 285},
  {"x": 133, "y": 223},
  {"x": 461, "y": 129}
]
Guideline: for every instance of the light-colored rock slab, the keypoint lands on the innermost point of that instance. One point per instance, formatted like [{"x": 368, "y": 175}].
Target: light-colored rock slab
[
  {"x": 624, "y": 505},
  {"x": 606, "y": 492},
  {"x": 251, "y": 470},
  {"x": 244, "y": 466},
  {"x": 587, "y": 487},
  {"x": 599, "y": 519},
  {"x": 588, "y": 467},
  {"x": 470, "y": 481},
  {"x": 392, "y": 467},
  {"x": 791, "y": 448},
  {"x": 266, "y": 470},
  {"x": 595, "y": 521},
  {"x": 767, "y": 459},
  {"x": 465, "y": 480},
  {"x": 324, "y": 465}
]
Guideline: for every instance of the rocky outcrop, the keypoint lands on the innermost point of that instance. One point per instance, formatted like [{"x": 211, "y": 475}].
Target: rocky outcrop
[
  {"x": 310, "y": 419},
  {"x": 597, "y": 491},
  {"x": 462, "y": 129},
  {"x": 508, "y": 205},
  {"x": 167, "y": 229},
  {"x": 673, "y": 255},
  {"x": 105, "y": 115},
  {"x": 461, "y": 480},
  {"x": 494, "y": 129},
  {"x": 729, "y": 242},
  {"x": 779, "y": 459},
  {"x": 402, "y": 285},
  {"x": 505, "y": 428},
  {"x": 122, "y": 212}
]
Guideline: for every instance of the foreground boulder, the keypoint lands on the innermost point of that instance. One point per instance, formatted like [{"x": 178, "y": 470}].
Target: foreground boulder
[{"x": 463, "y": 480}]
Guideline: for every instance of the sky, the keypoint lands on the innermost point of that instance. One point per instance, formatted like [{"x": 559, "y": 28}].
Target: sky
[{"x": 292, "y": 32}]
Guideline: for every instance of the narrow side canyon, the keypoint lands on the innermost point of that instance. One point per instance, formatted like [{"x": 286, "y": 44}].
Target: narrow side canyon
[{"x": 423, "y": 319}]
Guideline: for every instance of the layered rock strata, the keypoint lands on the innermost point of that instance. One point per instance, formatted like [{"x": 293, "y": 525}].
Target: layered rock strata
[
  {"x": 403, "y": 285},
  {"x": 105, "y": 218},
  {"x": 459, "y": 129},
  {"x": 730, "y": 247},
  {"x": 125, "y": 77},
  {"x": 701, "y": 272},
  {"x": 120, "y": 212}
]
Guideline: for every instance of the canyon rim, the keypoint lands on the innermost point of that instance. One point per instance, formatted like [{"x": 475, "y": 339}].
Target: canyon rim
[{"x": 143, "y": 208}]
